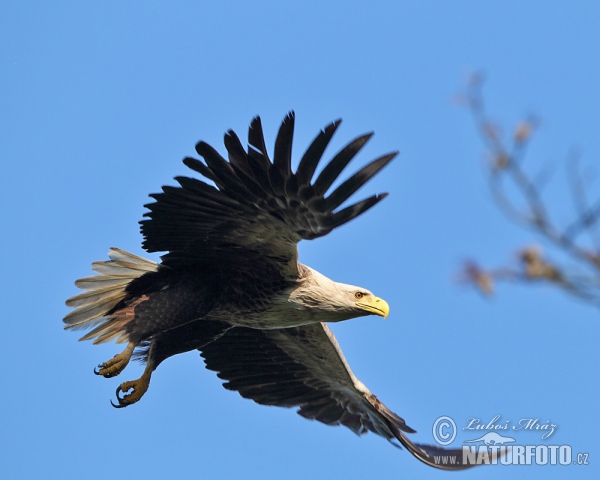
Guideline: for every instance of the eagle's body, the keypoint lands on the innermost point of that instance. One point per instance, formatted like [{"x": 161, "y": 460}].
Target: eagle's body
[{"x": 232, "y": 287}]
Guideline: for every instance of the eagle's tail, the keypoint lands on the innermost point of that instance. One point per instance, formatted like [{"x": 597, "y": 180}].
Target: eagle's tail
[{"x": 103, "y": 292}]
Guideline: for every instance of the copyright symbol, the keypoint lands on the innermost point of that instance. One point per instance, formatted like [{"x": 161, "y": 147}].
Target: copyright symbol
[{"x": 444, "y": 430}]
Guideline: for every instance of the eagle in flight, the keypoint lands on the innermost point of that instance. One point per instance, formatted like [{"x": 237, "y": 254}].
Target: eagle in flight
[{"x": 231, "y": 285}]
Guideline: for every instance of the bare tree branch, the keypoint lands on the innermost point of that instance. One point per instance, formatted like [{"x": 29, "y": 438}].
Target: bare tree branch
[{"x": 581, "y": 277}]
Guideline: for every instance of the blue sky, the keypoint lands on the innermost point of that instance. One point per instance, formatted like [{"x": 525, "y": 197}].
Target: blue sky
[{"x": 99, "y": 103}]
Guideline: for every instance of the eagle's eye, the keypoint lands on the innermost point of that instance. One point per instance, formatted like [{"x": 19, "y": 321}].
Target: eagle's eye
[{"x": 359, "y": 295}]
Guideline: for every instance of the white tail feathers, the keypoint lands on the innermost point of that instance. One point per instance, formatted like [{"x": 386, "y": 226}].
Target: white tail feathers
[{"x": 103, "y": 292}]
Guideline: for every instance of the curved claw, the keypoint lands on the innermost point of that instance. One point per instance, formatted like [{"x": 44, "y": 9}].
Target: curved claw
[
  {"x": 118, "y": 391},
  {"x": 119, "y": 399},
  {"x": 138, "y": 388}
]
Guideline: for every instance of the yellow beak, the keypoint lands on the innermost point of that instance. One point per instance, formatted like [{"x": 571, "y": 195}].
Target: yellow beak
[{"x": 375, "y": 305}]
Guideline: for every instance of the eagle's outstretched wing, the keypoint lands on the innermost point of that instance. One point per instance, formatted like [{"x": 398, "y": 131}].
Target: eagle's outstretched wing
[
  {"x": 257, "y": 205},
  {"x": 304, "y": 367}
]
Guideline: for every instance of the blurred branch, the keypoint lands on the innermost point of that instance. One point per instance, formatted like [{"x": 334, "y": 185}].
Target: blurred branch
[{"x": 505, "y": 170}]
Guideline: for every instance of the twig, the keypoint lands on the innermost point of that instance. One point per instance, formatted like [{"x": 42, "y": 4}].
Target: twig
[{"x": 507, "y": 167}]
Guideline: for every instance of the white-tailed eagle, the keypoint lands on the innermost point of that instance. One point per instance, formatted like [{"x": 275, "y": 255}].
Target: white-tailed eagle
[{"x": 232, "y": 287}]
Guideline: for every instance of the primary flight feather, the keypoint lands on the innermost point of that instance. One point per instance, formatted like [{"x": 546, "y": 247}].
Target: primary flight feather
[{"x": 232, "y": 287}]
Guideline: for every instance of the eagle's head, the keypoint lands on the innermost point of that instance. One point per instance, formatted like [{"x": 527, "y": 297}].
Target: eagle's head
[{"x": 333, "y": 302}]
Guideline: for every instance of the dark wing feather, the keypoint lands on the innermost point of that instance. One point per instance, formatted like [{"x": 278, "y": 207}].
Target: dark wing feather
[
  {"x": 353, "y": 211},
  {"x": 338, "y": 163},
  {"x": 310, "y": 159},
  {"x": 256, "y": 205},
  {"x": 346, "y": 189},
  {"x": 304, "y": 367},
  {"x": 282, "y": 160}
]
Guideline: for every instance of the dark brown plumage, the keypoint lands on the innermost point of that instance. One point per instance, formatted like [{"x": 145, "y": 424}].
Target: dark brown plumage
[{"x": 231, "y": 285}]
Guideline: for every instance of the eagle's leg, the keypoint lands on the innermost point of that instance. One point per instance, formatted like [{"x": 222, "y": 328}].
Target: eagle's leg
[
  {"x": 190, "y": 336},
  {"x": 140, "y": 386},
  {"x": 115, "y": 365}
]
